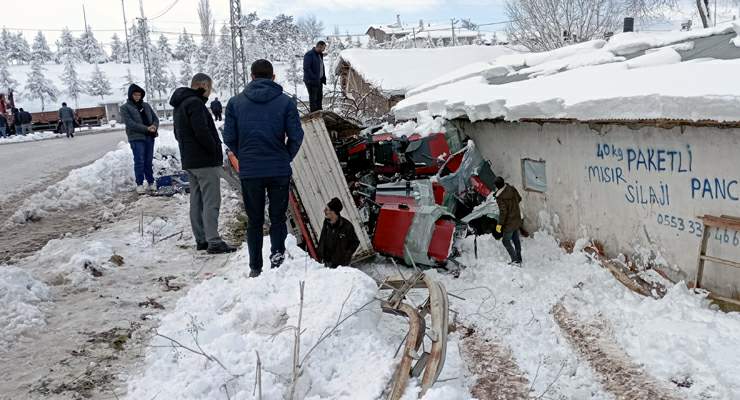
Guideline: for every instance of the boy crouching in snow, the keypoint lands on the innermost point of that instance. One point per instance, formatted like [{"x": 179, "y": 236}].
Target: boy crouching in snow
[{"x": 338, "y": 240}]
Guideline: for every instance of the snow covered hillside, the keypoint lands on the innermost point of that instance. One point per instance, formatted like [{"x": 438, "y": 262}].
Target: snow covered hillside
[{"x": 117, "y": 74}]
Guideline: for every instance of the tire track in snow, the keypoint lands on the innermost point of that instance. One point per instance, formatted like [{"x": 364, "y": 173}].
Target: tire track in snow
[
  {"x": 498, "y": 375},
  {"x": 619, "y": 375}
]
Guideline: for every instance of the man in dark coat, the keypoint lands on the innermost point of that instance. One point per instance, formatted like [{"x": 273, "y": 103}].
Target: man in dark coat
[
  {"x": 314, "y": 75},
  {"x": 26, "y": 122},
  {"x": 217, "y": 109},
  {"x": 142, "y": 124},
  {"x": 202, "y": 157},
  {"x": 338, "y": 241},
  {"x": 3, "y": 126},
  {"x": 510, "y": 218},
  {"x": 67, "y": 117},
  {"x": 263, "y": 129}
]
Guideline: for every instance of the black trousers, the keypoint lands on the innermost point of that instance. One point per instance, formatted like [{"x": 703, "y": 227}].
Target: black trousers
[
  {"x": 315, "y": 96},
  {"x": 217, "y": 116}
]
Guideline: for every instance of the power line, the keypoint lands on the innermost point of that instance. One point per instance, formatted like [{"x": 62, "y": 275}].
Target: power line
[{"x": 168, "y": 9}]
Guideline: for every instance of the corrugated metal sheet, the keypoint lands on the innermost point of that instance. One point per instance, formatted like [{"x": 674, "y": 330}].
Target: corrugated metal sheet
[{"x": 318, "y": 178}]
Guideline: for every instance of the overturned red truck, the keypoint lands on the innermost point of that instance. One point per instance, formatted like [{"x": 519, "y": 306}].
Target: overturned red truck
[{"x": 407, "y": 197}]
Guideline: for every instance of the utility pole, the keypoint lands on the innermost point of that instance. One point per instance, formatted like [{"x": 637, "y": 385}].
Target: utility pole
[
  {"x": 453, "y": 22},
  {"x": 125, "y": 31},
  {"x": 84, "y": 16},
  {"x": 145, "y": 45},
  {"x": 413, "y": 32},
  {"x": 239, "y": 62}
]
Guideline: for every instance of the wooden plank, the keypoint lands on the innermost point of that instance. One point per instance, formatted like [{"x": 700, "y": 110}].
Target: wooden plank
[
  {"x": 721, "y": 261},
  {"x": 725, "y": 299},
  {"x": 702, "y": 252},
  {"x": 721, "y": 222}
]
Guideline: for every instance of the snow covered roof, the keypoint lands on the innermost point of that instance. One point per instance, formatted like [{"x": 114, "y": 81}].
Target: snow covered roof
[
  {"x": 394, "y": 71},
  {"x": 633, "y": 76}
]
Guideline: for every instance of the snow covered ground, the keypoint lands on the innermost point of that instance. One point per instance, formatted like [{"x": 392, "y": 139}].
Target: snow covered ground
[
  {"x": 32, "y": 137},
  {"x": 117, "y": 74}
]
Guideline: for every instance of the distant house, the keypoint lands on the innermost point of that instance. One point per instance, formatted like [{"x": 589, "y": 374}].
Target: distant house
[
  {"x": 380, "y": 78},
  {"x": 614, "y": 141},
  {"x": 399, "y": 35}
]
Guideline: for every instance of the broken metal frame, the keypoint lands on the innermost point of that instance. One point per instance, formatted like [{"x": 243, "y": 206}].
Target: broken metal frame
[{"x": 428, "y": 365}]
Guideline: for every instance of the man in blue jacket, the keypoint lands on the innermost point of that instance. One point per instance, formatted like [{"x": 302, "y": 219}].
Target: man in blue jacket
[
  {"x": 314, "y": 75},
  {"x": 263, "y": 129}
]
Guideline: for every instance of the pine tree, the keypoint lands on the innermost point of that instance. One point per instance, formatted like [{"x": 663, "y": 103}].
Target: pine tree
[
  {"x": 41, "y": 48},
  {"x": 158, "y": 78},
  {"x": 163, "y": 48},
  {"x": 7, "y": 83},
  {"x": 67, "y": 47},
  {"x": 186, "y": 74},
  {"x": 73, "y": 86},
  {"x": 91, "y": 50},
  {"x": 172, "y": 83},
  {"x": 294, "y": 74},
  {"x": 38, "y": 86},
  {"x": 186, "y": 47},
  {"x": 99, "y": 84},
  {"x": 19, "y": 50},
  {"x": 128, "y": 80},
  {"x": 5, "y": 43},
  {"x": 223, "y": 75},
  {"x": 117, "y": 50}
]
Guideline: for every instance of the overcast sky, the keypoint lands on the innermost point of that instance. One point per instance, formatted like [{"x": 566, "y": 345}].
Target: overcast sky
[{"x": 352, "y": 16}]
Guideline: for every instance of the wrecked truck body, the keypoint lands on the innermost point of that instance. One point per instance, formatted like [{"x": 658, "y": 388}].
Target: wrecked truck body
[{"x": 407, "y": 197}]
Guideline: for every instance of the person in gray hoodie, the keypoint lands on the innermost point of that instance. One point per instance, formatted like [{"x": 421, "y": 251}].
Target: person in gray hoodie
[
  {"x": 142, "y": 124},
  {"x": 67, "y": 116}
]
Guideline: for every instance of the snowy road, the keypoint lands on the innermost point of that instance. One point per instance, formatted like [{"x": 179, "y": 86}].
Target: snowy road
[{"x": 27, "y": 166}]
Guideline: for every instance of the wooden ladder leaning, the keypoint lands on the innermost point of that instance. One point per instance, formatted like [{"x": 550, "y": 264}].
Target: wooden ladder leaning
[{"x": 710, "y": 221}]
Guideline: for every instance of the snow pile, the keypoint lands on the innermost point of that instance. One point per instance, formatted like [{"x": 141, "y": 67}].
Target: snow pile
[
  {"x": 73, "y": 262},
  {"x": 99, "y": 181},
  {"x": 398, "y": 70},
  {"x": 633, "y": 42},
  {"x": 736, "y": 40},
  {"x": 30, "y": 137},
  {"x": 20, "y": 295},
  {"x": 234, "y": 317},
  {"x": 424, "y": 125},
  {"x": 596, "y": 92},
  {"x": 661, "y": 57}
]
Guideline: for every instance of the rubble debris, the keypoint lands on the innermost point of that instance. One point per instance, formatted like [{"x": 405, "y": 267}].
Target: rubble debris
[
  {"x": 167, "y": 285},
  {"x": 116, "y": 260},
  {"x": 151, "y": 303},
  {"x": 90, "y": 267}
]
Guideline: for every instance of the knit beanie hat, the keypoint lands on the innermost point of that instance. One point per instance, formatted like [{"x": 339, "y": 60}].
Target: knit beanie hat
[{"x": 335, "y": 205}]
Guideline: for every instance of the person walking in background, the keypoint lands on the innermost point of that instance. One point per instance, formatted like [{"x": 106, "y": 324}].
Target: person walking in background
[
  {"x": 263, "y": 129},
  {"x": 216, "y": 109},
  {"x": 25, "y": 121},
  {"x": 510, "y": 218},
  {"x": 202, "y": 158},
  {"x": 3, "y": 126},
  {"x": 67, "y": 116},
  {"x": 338, "y": 240},
  {"x": 314, "y": 75},
  {"x": 142, "y": 124}
]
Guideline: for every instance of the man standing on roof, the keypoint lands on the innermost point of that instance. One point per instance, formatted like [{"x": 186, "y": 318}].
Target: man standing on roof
[
  {"x": 142, "y": 124},
  {"x": 216, "y": 109},
  {"x": 314, "y": 75},
  {"x": 67, "y": 116},
  {"x": 263, "y": 130},
  {"x": 510, "y": 218},
  {"x": 338, "y": 241}
]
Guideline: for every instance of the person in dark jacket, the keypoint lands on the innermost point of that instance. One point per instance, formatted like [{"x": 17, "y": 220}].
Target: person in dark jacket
[
  {"x": 26, "y": 122},
  {"x": 314, "y": 75},
  {"x": 338, "y": 241},
  {"x": 3, "y": 126},
  {"x": 263, "y": 130},
  {"x": 216, "y": 109},
  {"x": 16, "y": 124},
  {"x": 67, "y": 117},
  {"x": 510, "y": 218},
  {"x": 201, "y": 156},
  {"x": 142, "y": 124}
]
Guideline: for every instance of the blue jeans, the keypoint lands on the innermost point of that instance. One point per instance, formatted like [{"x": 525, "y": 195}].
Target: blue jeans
[
  {"x": 143, "y": 156},
  {"x": 516, "y": 251},
  {"x": 253, "y": 191}
]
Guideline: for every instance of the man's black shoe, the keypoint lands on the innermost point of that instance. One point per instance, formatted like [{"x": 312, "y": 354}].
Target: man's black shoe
[
  {"x": 276, "y": 260},
  {"x": 254, "y": 273},
  {"x": 201, "y": 246},
  {"x": 221, "y": 248}
]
